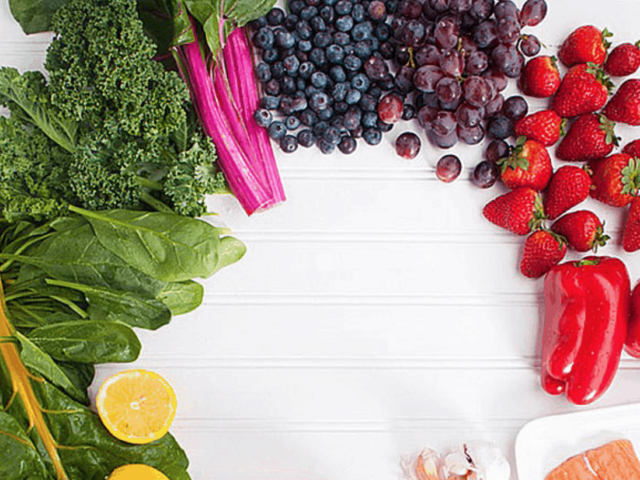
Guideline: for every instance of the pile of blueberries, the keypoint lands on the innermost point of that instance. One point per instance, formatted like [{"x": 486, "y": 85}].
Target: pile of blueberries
[{"x": 334, "y": 71}]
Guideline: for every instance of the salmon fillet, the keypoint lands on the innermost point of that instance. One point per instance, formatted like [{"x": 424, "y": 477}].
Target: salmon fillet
[
  {"x": 573, "y": 469},
  {"x": 613, "y": 461}
]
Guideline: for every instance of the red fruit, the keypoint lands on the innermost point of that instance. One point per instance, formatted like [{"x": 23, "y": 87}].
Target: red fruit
[
  {"x": 590, "y": 137},
  {"x": 540, "y": 77},
  {"x": 390, "y": 108},
  {"x": 584, "y": 89},
  {"x": 615, "y": 179},
  {"x": 582, "y": 230},
  {"x": 519, "y": 211},
  {"x": 585, "y": 44},
  {"x": 568, "y": 187},
  {"x": 543, "y": 250},
  {"x": 529, "y": 165},
  {"x": 631, "y": 233},
  {"x": 545, "y": 127},
  {"x": 632, "y": 148},
  {"x": 624, "y": 107},
  {"x": 623, "y": 60}
]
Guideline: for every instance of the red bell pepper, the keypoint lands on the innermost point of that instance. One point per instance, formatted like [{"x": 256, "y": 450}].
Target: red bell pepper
[
  {"x": 586, "y": 312},
  {"x": 632, "y": 343}
]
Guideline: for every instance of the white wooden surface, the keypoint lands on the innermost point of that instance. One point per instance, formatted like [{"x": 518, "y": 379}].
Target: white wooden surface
[{"x": 375, "y": 312}]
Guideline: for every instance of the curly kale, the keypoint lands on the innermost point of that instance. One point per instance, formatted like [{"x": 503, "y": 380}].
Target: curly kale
[{"x": 111, "y": 129}]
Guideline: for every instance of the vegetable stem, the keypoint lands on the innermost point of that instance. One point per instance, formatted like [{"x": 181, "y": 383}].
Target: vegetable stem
[{"x": 22, "y": 387}]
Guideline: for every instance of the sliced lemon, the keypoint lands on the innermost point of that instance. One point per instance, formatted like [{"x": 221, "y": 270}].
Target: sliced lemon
[
  {"x": 137, "y": 472},
  {"x": 136, "y": 406}
]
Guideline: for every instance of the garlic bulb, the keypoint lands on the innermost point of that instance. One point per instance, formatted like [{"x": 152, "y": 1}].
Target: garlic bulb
[{"x": 488, "y": 461}]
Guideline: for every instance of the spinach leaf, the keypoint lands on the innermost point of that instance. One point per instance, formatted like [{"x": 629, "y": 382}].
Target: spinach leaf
[
  {"x": 35, "y": 359},
  {"x": 81, "y": 374},
  {"x": 182, "y": 297},
  {"x": 230, "y": 251},
  {"x": 34, "y": 16},
  {"x": 122, "y": 306},
  {"x": 88, "y": 342},
  {"x": 20, "y": 458},
  {"x": 164, "y": 246}
]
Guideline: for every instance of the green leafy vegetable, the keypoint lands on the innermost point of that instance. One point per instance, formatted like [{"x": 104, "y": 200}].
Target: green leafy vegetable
[{"x": 182, "y": 297}]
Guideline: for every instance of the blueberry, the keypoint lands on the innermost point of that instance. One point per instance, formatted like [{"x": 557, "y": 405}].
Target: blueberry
[
  {"x": 258, "y": 23},
  {"x": 352, "y": 118},
  {"x": 319, "y": 101},
  {"x": 310, "y": 90},
  {"x": 308, "y": 13},
  {"x": 375, "y": 91},
  {"x": 308, "y": 118},
  {"x": 337, "y": 74},
  {"x": 348, "y": 145},
  {"x": 275, "y": 17},
  {"x": 326, "y": 147},
  {"x": 288, "y": 85},
  {"x": 332, "y": 135},
  {"x": 382, "y": 32},
  {"x": 277, "y": 70},
  {"x": 322, "y": 39},
  {"x": 344, "y": 24},
  {"x": 305, "y": 45},
  {"x": 328, "y": 14},
  {"x": 408, "y": 112},
  {"x": 264, "y": 38},
  {"x": 318, "y": 24},
  {"x": 369, "y": 119},
  {"x": 326, "y": 114},
  {"x": 318, "y": 57},
  {"x": 387, "y": 82},
  {"x": 330, "y": 3},
  {"x": 291, "y": 65},
  {"x": 363, "y": 31},
  {"x": 286, "y": 52},
  {"x": 344, "y": 7},
  {"x": 362, "y": 49},
  {"x": 277, "y": 130},
  {"x": 384, "y": 127},
  {"x": 500, "y": 127},
  {"x": 285, "y": 39},
  {"x": 272, "y": 87},
  {"x": 353, "y": 96},
  {"x": 296, "y": 6},
  {"x": 306, "y": 138},
  {"x": 291, "y": 21},
  {"x": 358, "y": 13},
  {"x": 352, "y": 63},
  {"x": 368, "y": 103},
  {"x": 286, "y": 105},
  {"x": 341, "y": 38},
  {"x": 372, "y": 136},
  {"x": 263, "y": 117},
  {"x": 339, "y": 91},
  {"x": 319, "y": 80},
  {"x": 300, "y": 84},
  {"x": 270, "y": 102},
  {"x": 299, "y": 104},
  {"x": 320, "y": 128},
  {"x": 306, "y": 69},
  {"x": 289, "y": 144},
  {"x": 341, "y": 107},
  {"x": 361, "y": 82},
  {"x": 374, "y": 44},
  {"x": 392, "y": 6},
  {"x": 303, "y": 29},
  {"x": 263, "y": 72},
  {"x": 387, "y": 50}
]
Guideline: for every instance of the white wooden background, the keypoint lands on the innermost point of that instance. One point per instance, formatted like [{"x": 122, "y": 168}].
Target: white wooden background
[{"x": 375, "y": 312}]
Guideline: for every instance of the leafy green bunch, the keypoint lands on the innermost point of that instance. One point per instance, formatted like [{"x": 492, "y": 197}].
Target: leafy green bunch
[{"x": 111, "y": 129}]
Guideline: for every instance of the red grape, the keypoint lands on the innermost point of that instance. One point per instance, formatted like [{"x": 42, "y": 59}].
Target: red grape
[
  {"x": 533, "y": 12},
  {"x": 390, "y": 108},
  {"x": 485, "y": 174},
  {"x": 448, "y": 168},
  {"x": 408, "y": 145}
]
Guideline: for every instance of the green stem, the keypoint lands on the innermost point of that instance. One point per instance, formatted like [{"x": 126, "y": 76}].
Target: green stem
[
  {"x": 150, "y": 184},
  {"x": 26, "y": 245},
  {"x": 155, "y": 203}
]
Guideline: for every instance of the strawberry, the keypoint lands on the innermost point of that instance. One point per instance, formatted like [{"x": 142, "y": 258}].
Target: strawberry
[
  {"x": 568, "y": 187},
  {"x": 584, "y": 89},
  {"x": 624, "y": 106},
  {"x": 631, "y": 233},
  {"x": 632, "y": 148},
  {"x": 590, "y": 137},
  {"x": 519, "y": 211},
  {"x": 545, "y": 127},
  {"x": 585, "y": 44},
  {"x": 529, "y": 165},
  {"x": 623, "y": 60},
  {"x": 540, "y": 77},
  {"x": 615, "y": 179},
  {"x": 582, "y": 230},
  {"x": 543, "y": 250}
]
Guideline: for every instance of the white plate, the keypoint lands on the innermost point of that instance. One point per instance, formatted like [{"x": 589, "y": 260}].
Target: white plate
[{"x": 545, "y": 443}]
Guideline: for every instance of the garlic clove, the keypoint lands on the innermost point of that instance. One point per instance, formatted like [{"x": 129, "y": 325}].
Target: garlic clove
[
  {"x": 427, "y": 465},
  {"x": 488, "y": 461},
  {"x": 456, "y": 463}
]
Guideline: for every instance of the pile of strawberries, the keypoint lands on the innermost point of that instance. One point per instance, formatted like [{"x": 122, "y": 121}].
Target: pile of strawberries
[{"x": 581, "y": 116}]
